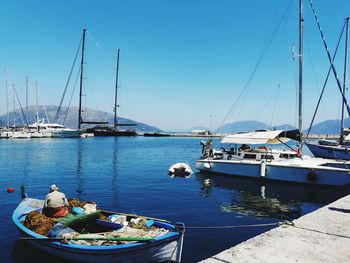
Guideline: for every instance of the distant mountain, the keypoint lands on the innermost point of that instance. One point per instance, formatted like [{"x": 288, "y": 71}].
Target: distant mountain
[
  {"x": 241, "y": 126},
  {"x": 71, "y": 118},
  {"x": 329, "y": 127},
  {"x": 285, "y": 127},
  {"x": 325, "y": 127},
  {"x": 245, "y": 126}
]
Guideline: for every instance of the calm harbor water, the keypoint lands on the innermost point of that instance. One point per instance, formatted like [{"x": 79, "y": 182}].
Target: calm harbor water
[{"x": 130, "y": 175}]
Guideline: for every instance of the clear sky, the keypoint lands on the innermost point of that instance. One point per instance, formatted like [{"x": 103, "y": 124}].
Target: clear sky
[{"x": 183, "y": 62}]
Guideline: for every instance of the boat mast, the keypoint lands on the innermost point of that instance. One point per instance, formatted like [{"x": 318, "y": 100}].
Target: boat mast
[
  {"x": 7, "y": 98},
  {"x": 27, "y": 96},
  {"x": 36, "y": 101},
  {"x": 341, "y": 140},
  {"x": 300, "y": 123},
  {"x": 81, "y": 80},
  {"x": 116, "y": 92},
  {"x": 14, "y": 106}
]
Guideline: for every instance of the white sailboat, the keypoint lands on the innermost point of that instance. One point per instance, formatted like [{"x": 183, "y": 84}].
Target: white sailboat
[
  {"x": 333, "y": 149},
  {"x": 45, "y": 129},
  {"x": 273, "y": 164}
]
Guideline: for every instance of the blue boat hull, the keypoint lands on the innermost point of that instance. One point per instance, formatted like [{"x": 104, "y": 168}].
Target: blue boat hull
[
  {"x": 163, "y": 248},
  {"x": 329, "y": 152}
]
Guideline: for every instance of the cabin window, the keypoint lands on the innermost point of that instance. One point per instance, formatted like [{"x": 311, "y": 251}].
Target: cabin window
[
  {"x": 287, "y": 156},
  {"x": 249, "y": 156},
  {"x": 267, "y": 157}
]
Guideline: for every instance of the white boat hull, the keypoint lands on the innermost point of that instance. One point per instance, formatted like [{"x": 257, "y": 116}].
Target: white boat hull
[
  {"x": 281, "y": 171},
  {"x": 330, "y": 152},
  {"x": 65, "y": 134}
]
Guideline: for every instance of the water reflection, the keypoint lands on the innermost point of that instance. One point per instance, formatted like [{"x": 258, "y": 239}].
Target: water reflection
[
  {"x": 115, "y": 200},
  {"x": 79, "y": 189},
  {"x": 266, "y": 199}
]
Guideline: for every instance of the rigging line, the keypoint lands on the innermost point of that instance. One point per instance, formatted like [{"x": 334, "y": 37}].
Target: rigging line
[
  {"x": 283, "y": 30},
  {"x": 275, "y": 104},
  {"x": 277, "y": 88},
  {"x": 314, "y": 71},
  {"x": 46, "y": 115},
  {"x": 22, "y": 112},
  {"x": 68, "y": 80},
  {"x": 232, "y": 226},
  {"x": 89, "y": 88},
  {"x": 329, "y": 58},
  {"x": 102, "y": 50},
  {"x": 71, "y": 97},
  {"x": 257, "y": 64},
  {"x": 325, "y": 83}
]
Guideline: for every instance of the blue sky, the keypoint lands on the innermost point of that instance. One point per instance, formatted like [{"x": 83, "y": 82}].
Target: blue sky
[{"x": 181, "y": 61}]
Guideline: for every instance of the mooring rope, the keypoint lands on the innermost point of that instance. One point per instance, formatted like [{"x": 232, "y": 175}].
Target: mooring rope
[
  {"x": 281, "y": 223},
  {"x": 236, "y": 226}
]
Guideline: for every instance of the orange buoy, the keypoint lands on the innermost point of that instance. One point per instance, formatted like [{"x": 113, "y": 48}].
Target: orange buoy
[{"x": 10, "y": 189}]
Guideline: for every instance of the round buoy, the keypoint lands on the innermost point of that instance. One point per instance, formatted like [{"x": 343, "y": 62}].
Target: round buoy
[{"x": 10, "y": 189}]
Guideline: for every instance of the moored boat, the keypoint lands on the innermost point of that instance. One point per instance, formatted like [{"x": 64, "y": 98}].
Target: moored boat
[
  {"x": 156, "y": 134},
  {"x": 108, "y": 246},
  {"x": 263, "y": 162},
  {"x": 333, "y": 149}
]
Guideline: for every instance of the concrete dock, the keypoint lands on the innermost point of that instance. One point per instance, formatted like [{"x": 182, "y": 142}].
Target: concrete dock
[{"x": 321, "y": 236}]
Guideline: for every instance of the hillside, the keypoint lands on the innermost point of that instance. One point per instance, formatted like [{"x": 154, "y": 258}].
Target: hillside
[
  {"x": 72, "y": 117},
  {"x": 325, "y": 127}
]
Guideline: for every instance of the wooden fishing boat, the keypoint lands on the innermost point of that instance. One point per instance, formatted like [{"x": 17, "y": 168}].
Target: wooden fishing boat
[{"x": 163, "y": 247}]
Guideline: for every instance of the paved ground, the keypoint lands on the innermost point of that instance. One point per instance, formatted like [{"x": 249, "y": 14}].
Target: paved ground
[{"x": 321, "y": 236}]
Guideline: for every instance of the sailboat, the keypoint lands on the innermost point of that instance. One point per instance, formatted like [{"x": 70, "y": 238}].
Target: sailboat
[
  {"x": 333, "y": 149},
  {"x": 114, "y": 131},
  {"x": 266, "y": 163}
]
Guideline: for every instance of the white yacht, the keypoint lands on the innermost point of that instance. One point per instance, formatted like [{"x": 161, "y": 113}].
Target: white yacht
[
  {"x": 270, "y": 164},
  {"x": 15, "y": 133},
  {"x": 53, "y": 130}
]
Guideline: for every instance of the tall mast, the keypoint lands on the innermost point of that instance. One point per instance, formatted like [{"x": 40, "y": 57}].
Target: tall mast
[
  {"x": 27, "y": 97},
  {"x": 36, "y": 101},
  {"x": 116, "y": 92},
  {"x": 81, "y": 80},
  {"x": 300, "y": 122},
  {"x": 14, "y": 106},
  {"x": 7, "y": 98},
  {"x": 341, "y": 141}
]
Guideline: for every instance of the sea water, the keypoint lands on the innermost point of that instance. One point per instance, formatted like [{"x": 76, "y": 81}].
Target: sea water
[{"x": 129, "y": 174}]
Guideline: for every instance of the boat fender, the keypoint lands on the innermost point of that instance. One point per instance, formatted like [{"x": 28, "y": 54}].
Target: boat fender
[
  {"x": 229, "y": 157},
  {"x": 207, "y": 165},
  {"x": 263, "y": 168},
  {"x": 312, "y": 176}
]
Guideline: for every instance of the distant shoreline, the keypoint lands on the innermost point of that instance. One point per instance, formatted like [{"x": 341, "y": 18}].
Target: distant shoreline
[{"x": 311, "y": 136}]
